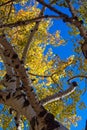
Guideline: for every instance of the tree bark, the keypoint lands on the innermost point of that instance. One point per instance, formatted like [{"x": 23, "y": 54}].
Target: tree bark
[{"x": 19, "y": 93}]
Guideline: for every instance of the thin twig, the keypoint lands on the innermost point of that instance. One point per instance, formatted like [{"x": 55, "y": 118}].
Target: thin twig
[
  {"x": 44, "y": 76},
  {"x": 77, "y": 76}
]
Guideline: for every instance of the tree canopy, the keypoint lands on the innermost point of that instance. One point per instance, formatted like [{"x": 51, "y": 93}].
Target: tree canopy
[{"x": 37, "y": 85}]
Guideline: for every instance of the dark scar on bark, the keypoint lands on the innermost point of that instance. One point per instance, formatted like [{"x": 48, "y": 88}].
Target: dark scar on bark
[
  {"x": 14, "y": 56},
  {"x": 16, "y": 66},
  {"x": 8, "y": 96}
]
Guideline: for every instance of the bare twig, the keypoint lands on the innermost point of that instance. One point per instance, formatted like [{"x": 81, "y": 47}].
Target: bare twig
[
  {"x": 77, "y": 76},
  {"x": 43, "y": 76}
]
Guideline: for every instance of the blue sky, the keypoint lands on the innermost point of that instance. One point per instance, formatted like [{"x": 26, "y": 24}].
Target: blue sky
[{"x": 65, "y": 52}]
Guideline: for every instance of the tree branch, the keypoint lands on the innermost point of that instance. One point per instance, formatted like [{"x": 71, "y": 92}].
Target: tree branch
[
  {"x": 65, "y": 18},
  {"x": 43, "y": 76},
  {"x": 21, "y": 72},
  {"x": 58, "y": 96},
  {"x": 71, "y": 8},
  {"x": 31, "y": 37},
  {"x": 9, "y": 11},
  {"x": 8, "y": 2},
  {"x": 77, "y": 76},
  {"x": 26, "y": 22},
  {"x": 17, "y": 102},
  {"x": 52, "y": 8}
]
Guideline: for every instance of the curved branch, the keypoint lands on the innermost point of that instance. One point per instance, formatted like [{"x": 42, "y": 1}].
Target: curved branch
[{"x": 58, "y": 96}]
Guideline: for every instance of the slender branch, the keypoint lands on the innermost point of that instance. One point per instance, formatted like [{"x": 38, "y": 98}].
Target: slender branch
[
  {"x": 58, "y": 96},
  {"x": 52, "y": 8},
  {"x": 26, "y": 22},
  {"x": 77, "y": 76},
  {"x": 31, "y": 37},
  {"x": 44, "y": 76},
  {"x": 8, "y": 2},
  {"x": 65, "y": 18},
  {"x": 71, "y": 8},
  {"x": 9, "y": 11}
]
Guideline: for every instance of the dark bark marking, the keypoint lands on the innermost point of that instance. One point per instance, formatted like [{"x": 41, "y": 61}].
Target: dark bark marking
[
  {"x": 7, "y": 53},
  {"x": 12, "y": 61},
  {"x": 26, "y": 103},
  {"x": 22, "y": 62},
  {"x": 19, "y": 88},
  {"x": 16, "y": 66},
  {"x": 32, "y": 122},
  {"x": 51, "y": 123},
  {"x": 14, "y": 94},
  {"x": 8, "y": 96},
  {"x": 31, "y": 30},
  {"x": 0, "y": 96},
  {"x": 31, "y": 89},
  {"x": 19, "y": 96},
  {"x": 14, "y": 56},
  {"x": 24, "y": 77},
  {"x": 15, "y": 118},
  {"x": 42, "y": 113},
  {"x": 10, "y": 110},
  {"x": 43, "y": 128},
  {"x": 17, "y": 124},
  {"x": 12, "y": 80},
  {"x": 49, "y": 117},
  {"x": 7, "y": 77}
]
